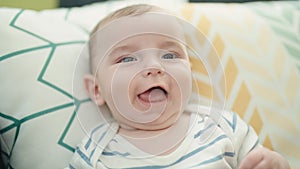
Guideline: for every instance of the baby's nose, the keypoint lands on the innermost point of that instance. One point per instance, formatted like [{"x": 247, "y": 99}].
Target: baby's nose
[
  {"x": 155, "y": 71},
  {"x": 153, "y": 67}
]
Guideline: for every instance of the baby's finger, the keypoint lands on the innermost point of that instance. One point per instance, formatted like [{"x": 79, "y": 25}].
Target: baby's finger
[
  {"x": 252, "y": 159},
  {"x": 262, "y": 165}
]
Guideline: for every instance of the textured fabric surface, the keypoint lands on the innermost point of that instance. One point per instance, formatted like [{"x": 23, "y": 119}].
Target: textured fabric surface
[
  {"x": 258, "y": 45},
  {"x": 42, "y": 61}
]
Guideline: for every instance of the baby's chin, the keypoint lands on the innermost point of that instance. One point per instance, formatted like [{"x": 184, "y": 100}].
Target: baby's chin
[
  {"x": 160, "y": 123},
  {"x": 146, "y": 127}
]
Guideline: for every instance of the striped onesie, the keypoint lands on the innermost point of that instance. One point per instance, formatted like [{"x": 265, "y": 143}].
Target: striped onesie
[{"x": 220, "y": 141}]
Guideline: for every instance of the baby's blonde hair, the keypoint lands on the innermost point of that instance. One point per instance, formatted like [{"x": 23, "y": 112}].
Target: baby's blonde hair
[{"x": 133, "y": 10}]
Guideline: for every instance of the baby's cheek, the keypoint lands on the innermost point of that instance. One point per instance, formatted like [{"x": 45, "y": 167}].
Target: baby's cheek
[{"x": 182, "y": 82}]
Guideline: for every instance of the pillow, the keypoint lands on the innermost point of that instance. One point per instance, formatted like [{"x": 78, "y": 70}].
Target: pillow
[
  {"x": 44, "y": 111},
  {"x": 38, "y": 56},
  {"x": 258, "y": 45}
]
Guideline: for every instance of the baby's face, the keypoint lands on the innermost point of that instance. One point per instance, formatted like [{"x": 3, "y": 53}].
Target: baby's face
[{"x": 145, "y": 76}]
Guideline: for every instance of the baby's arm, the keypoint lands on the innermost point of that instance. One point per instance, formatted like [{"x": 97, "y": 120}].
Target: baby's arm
[{"x": 263, "y": 158}]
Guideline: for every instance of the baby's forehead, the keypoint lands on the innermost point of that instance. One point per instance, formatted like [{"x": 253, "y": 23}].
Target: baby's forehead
[{"x": 149, "y": 23}]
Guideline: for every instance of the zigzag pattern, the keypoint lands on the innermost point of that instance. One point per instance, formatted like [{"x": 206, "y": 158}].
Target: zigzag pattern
[
  {"x": 261, "y": 80},
  {"x": 15, "y": 124}
]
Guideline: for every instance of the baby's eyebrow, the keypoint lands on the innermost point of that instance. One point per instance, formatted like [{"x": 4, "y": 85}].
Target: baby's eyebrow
[
  {"x": 130, "y": 48},
  {"x": 167, "y": 44},
  {"x": 124, "y": 48}
]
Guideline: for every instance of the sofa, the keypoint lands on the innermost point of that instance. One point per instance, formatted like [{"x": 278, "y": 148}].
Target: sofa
[{"x": 250, "y": 64}]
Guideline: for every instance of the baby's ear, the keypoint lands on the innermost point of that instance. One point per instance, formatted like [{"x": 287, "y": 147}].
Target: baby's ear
[{"x": 93, "y": 89}]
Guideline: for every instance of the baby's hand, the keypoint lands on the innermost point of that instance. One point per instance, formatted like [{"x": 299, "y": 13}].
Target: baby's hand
[{"x": 263, "y": 158}]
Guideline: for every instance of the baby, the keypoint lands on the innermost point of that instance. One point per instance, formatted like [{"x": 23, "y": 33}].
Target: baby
[{"x": 141, "y": 74}]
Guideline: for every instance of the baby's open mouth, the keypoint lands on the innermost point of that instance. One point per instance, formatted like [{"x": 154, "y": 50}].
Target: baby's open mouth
[{"x": 153, "y": 94}]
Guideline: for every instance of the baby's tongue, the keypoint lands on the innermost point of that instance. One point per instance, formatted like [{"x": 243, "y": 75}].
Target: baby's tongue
[{"x": 153, "y": 95}]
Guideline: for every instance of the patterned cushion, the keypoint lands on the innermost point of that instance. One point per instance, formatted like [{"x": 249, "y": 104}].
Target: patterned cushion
[
  {"x": 42, "y": 60},
  {"x": 38, "y": 57},
  {"x": 258, "y": 45}
]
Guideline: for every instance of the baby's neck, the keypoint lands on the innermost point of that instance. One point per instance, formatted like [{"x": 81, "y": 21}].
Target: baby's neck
[{"x": 159, "y": 142}]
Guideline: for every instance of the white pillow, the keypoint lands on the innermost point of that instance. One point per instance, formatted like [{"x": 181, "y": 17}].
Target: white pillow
[{"x": 37, "y": 108}]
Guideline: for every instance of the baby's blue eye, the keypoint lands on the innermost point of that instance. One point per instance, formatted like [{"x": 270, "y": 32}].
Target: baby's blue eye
[
  {"x": 169, "y": 56},
  {"x": 127, "y": 59}
]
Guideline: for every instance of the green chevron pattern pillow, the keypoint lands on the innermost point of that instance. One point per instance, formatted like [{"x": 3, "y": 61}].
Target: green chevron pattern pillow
[{"x": 38, "y": 58}]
